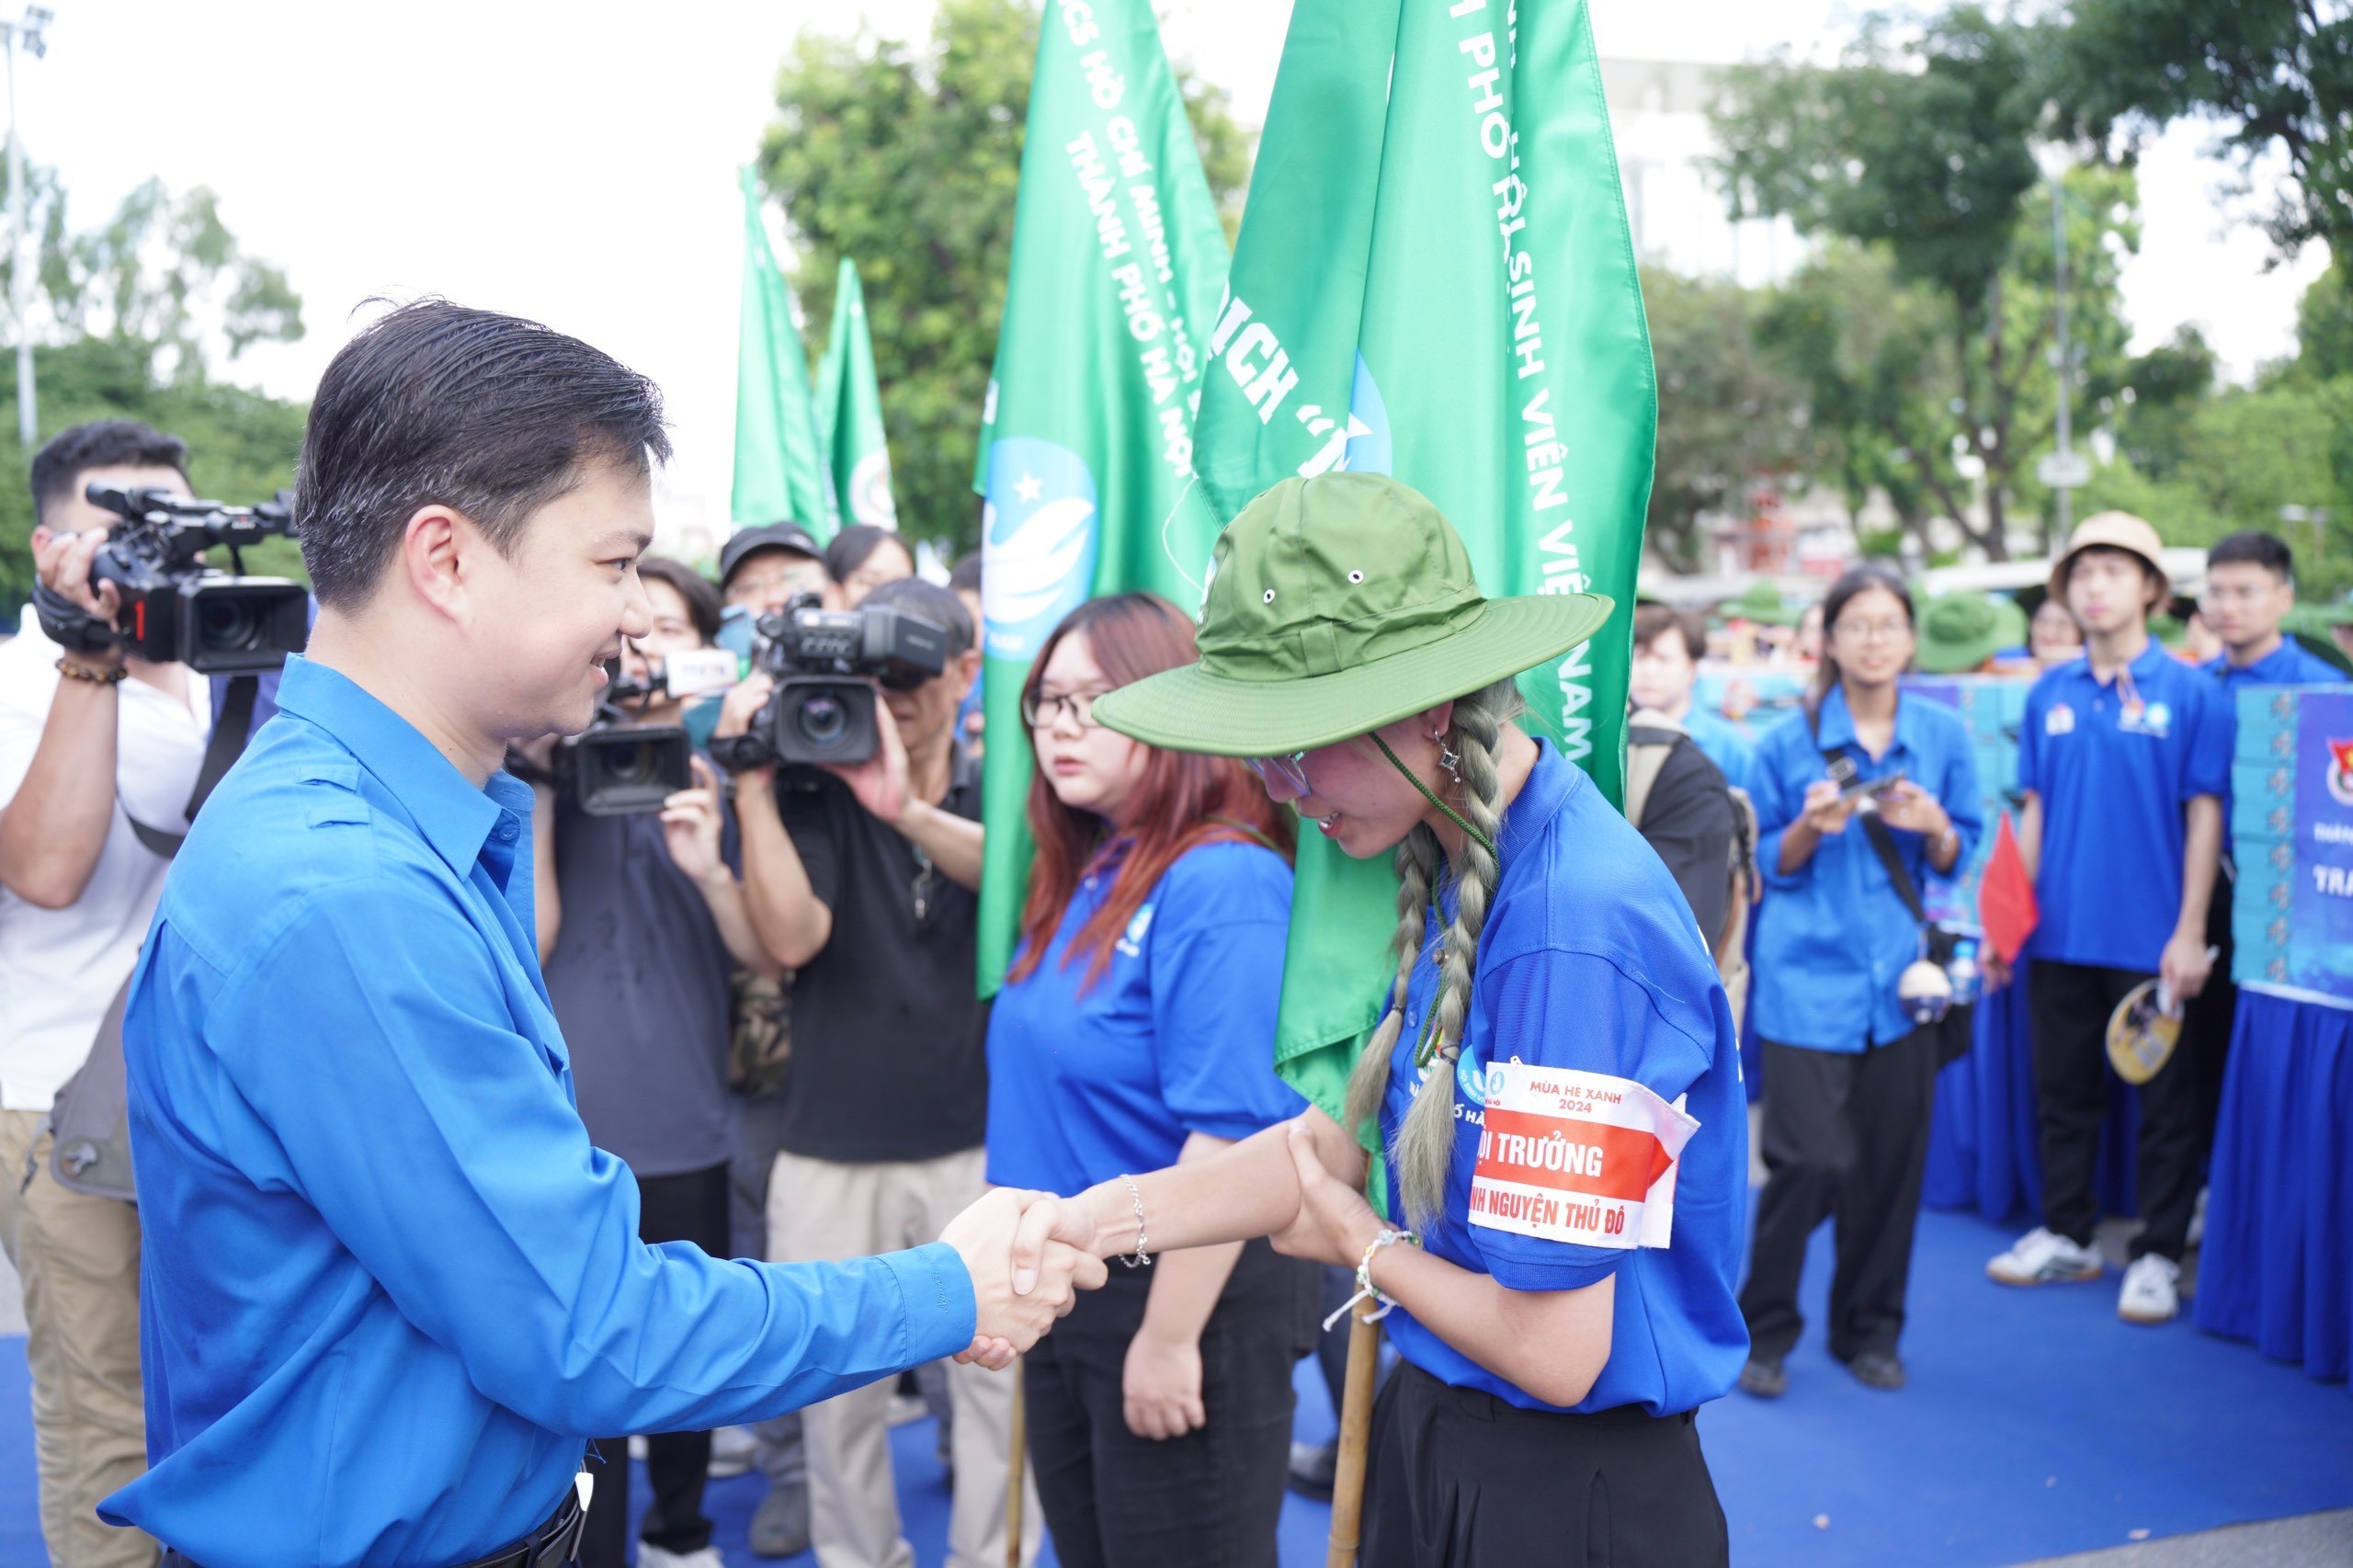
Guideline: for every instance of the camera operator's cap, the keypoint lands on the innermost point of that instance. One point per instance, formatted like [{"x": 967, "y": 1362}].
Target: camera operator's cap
[
  {"x": 772, "y": 536},
  {"x": 1337, "y": 605},
  {"x": 1959, "y": 631},
  {"x": 2115, "y": 531}
]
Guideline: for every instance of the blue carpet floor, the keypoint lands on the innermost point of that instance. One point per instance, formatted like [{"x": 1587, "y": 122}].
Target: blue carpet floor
[{"x": 2036, "y": 1423}]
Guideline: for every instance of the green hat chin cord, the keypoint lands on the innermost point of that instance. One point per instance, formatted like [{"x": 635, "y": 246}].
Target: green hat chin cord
[{"x": 1455, "y": 817}]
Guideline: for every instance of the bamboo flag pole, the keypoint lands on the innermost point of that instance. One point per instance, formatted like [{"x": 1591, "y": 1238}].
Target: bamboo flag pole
[
  {"x": 1016, "y": 1471},
  {"x": 1356, "y": 1433}
]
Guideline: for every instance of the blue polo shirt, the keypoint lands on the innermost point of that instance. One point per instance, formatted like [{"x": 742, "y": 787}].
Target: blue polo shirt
[
  {"x": 387, "y": 1286},
  {"x": 2290, "y": 663},
  {"x": 1832, "y": 936},
  {"x": 1590, "y": 960},
  {"x": 2117, "y": 764},
  {"x": 1176, "y": 1036},
  {"x": 1722, "y": 742}
]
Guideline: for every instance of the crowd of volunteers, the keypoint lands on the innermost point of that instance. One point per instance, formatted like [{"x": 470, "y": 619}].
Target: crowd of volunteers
[{"x": 462, "y": 1115}]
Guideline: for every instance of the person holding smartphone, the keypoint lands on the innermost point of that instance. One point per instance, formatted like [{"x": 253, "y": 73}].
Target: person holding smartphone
[{"x": 1850, "y": 1077}]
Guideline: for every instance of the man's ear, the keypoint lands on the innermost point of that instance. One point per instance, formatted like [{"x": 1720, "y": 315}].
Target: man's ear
[
  {"x": 435, "y": 549},
  {"x": 968, "y": 669},
  {"x": 41, "y": 536}
]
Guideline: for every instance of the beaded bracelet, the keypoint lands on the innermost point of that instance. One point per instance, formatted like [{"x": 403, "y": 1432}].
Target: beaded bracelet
[
  {"x": 72, "y": 671},
  {"x": 1366, "y": 1290}
]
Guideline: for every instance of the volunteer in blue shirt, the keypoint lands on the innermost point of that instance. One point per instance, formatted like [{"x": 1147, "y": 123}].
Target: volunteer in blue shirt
[
  {"x": 1136, "y": 1029},
  {"x": 1554, "y": 1082},
  {"x": 1668, "y": 645},
  {"x": 2250, "y": 588},
  {"x": 388, "y": 1287},
  {"x": 1850, "y": 1078},
  {"x": 2123, "y": 755}
]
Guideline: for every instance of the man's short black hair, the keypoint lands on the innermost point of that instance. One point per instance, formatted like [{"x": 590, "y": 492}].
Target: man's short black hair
[
  {"x": 930, "y": 601},
  {"x": 2256, "y": 547},
  {"x": 965, "y": 577},
  {"x": 488, "y": 414},
  {"x": 58, "y": 467}
]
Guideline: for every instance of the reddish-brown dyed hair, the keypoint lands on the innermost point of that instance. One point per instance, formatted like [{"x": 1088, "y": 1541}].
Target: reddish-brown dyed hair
[{"x": 1184, "y": 799}]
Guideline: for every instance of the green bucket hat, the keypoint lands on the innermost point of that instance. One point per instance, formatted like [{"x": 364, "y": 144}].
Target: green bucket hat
[
  {"x": 1338, "y": 605},
  {"x": 1960, "y": 632},
  {"x": 1761, "y": 602}
]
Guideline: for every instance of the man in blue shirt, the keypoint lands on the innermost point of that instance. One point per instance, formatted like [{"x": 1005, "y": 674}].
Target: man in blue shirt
[
  {"x": 2250, "y": 588},
  {"x": 1669, "y": 646},
  {"x": 2123, "y": 755},
  {"x": 389, "y": 1288}
]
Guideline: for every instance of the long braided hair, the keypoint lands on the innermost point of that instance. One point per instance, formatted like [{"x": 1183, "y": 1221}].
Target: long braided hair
[{"x": 1425, "y": 1145}]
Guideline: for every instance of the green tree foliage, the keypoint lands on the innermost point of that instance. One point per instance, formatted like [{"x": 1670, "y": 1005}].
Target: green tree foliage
[
  {"x": 906, "y": 158},
  {"x": 1728, "y": 416},
  {"x": 129, "y": 320},
  {"x": 2276, "y": 75}
]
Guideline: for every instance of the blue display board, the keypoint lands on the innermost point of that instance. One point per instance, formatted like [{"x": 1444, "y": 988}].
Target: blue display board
[{"x": 2291, "y": 836}]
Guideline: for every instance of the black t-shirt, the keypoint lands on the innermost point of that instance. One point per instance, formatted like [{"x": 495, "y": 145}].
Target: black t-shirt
[
  {"x": 890, "y": 1044},
  {"x": 639, "y": 982}
]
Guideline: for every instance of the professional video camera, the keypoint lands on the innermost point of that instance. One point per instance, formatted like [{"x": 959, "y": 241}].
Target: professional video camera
[
  {"x": 174, "y": 609},
  {"x": 825, "y": 664}
]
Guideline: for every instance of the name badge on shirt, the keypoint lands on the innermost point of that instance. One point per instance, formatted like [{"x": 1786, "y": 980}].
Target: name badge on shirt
[
  {"x": 2149, "y": 718},
  {"x": 1573, "y": 1156},
  {"x": 2060, "y": 720}
]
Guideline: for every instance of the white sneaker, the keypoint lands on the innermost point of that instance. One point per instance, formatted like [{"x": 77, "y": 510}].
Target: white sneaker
[
  {"x": 652, "y": 1556},
  {"x": 2151, "y": 1291},
  {"x": 2043, "y": 1258}
]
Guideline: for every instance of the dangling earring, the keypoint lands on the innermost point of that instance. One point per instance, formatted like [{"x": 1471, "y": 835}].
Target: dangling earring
[{"x": 1448, "y": 758}]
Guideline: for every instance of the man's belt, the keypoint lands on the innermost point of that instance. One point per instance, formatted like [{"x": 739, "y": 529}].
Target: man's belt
[{"x": 554, "y": 1545}]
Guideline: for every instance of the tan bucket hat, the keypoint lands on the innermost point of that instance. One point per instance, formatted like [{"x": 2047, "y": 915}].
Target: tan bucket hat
[{"x": 2114, "y": 531}]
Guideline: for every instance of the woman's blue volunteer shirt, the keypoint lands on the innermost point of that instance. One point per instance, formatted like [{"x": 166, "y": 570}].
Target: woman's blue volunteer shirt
[
  {"x": 1832, "y": 936},
  {"x": 2116, "y": 765},
  {"x": 1590, "y": 962},
  {"x": 1177, "y": 1037}
]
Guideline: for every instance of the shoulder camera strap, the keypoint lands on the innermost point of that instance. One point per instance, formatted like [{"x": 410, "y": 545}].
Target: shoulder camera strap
[
  {"x": 1842, "y": 770},
  {"x": 220, "y": 754}
]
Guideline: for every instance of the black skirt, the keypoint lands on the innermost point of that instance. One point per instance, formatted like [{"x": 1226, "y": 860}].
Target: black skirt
[{"x": 1461, "y": 1479}]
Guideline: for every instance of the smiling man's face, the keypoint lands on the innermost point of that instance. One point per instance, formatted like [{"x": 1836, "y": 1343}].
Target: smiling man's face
[{"x": 550, "y": 617}]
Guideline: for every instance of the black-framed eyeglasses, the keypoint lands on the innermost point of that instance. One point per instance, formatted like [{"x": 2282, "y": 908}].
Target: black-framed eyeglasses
[{"x": 1040, "y": 711}]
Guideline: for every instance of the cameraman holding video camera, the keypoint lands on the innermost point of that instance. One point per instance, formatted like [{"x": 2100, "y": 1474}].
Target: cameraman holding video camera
[
  {"x": 640, "y": 919},
  {"x": 861, "y": 877},
  {"x": 90, "y": 741}
]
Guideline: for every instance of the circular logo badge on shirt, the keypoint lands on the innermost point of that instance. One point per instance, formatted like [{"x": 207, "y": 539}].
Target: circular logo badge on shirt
[{"x": 2340, "y": 772}]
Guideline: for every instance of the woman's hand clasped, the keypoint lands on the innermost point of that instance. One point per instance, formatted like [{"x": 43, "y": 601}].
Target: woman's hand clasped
[{"x": 1334, "y": 1224}]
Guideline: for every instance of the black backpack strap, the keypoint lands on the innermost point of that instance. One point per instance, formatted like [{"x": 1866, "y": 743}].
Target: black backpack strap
[{"x": 220, "y": 754}]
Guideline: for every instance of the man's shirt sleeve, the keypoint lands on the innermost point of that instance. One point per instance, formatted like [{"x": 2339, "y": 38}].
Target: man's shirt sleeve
[
  {"x": 808, "y": 817},
  {"x": 374, "y": 1038},
  {"x": 2213, "y": 739}
]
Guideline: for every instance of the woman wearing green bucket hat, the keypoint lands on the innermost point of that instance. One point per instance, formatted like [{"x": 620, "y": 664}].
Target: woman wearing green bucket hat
[{"x": 1554, "y": 1088}]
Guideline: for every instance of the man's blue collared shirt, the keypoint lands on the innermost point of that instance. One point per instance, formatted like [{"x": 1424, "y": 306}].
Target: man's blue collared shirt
[
  {"x": 2290, "y": 663},
  {"x": 1832, "y": 936},
  {"x": 2117, "y": 764},
  {"x": 388, "y": 1288},
  {"x": 1722, "y": 742}
]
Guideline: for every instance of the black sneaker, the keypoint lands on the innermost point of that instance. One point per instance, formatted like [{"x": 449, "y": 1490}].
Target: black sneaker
[
  {"x": 1878, "y": 1369},
  {"x": 1763, "y": 1377},
  {"x": 1312, "y": 1467}
]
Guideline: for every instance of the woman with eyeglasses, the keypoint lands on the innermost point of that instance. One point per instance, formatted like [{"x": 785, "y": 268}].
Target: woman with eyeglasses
[
  {"x": 1850, "y": 1077},
  {"x": 1134, "y": 1030}
]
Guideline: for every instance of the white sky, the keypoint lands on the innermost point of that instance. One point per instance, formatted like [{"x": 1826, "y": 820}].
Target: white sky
[{"x": 575, "y": 163}]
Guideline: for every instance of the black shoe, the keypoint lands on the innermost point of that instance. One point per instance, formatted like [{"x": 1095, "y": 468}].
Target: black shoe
[
  {"x": 780, "y": 1524},
  {"x": 1312, "y": 1467},
  {"x": 1878, "y": 1369},
  {"x": 1763, "y": 1377}
]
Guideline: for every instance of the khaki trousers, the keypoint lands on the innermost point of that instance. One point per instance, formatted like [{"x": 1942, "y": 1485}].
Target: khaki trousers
[
  {"x": 78, "y": 1256},
  {"x": 823, "y": 1212}
]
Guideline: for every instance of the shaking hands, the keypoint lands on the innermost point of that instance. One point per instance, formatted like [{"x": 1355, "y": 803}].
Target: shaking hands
[{"x": 1018, "y": 1247}]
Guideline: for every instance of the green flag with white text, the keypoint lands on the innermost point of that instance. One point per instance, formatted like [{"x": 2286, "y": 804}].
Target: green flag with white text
[
  {"x": 780, "y": 468},
  {"x": 849, "y": 411},
  {"x": 1434, "y": 279},
  {"x": 1086, "y": 448}
]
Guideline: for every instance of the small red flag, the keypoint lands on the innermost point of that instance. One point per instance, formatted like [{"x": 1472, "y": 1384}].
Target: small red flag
[{"x": 2005, "y": 906}]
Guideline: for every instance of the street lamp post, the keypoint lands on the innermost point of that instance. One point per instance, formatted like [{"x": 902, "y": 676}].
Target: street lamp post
[{"x": 25, "y": 33}]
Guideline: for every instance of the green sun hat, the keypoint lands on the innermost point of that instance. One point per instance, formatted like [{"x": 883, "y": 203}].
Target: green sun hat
[
  {"x": 1959, "y": 631},
  {"x": 1338, "y": 605},
  {"x": 1761, "y": 602}
]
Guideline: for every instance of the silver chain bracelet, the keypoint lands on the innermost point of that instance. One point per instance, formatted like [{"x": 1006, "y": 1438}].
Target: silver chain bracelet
[{"x": 1136, "y": 1196}]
